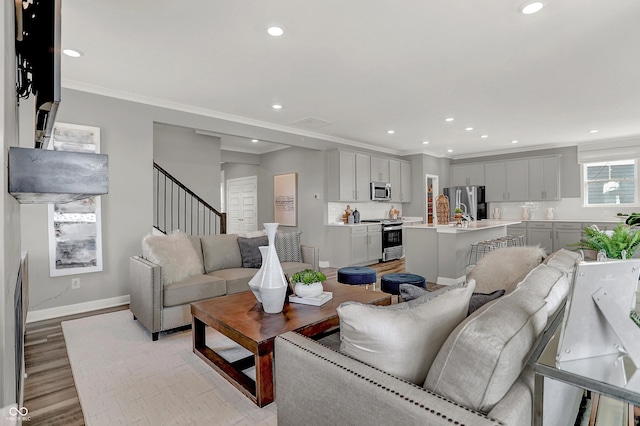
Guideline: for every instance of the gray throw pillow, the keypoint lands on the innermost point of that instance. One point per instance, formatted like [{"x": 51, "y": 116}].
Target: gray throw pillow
[
  {"x": 288, "y": 246},
  {"x": 480, "y": 299},
  {"x": 410, "y": 292},
  {"x": 251, "y": 257}
]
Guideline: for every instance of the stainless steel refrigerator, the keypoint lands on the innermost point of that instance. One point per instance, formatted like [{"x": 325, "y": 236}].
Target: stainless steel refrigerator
[{"x": 469, "y": 198}]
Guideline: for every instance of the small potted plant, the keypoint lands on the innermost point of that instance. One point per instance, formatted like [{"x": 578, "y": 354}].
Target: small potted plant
[
  {"x": 308, "y": 283},
  {"x": 457, "y": 214}
]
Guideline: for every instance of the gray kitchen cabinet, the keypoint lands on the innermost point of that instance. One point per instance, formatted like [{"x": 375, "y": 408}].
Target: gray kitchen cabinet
[
  {"x": 379, "y": 169},
  {"x": 517, "y": 230},
  {"x": 400, "y": 179},
  {"x": 348, "y": 176},
  {"x": 467, "y": 174},
  {"x": 354, "y": 245},
  {"x": 566, "y": 233},
  {"x": 544, "y": 179},
  {"x": 506, "y": 181},
  {"x": 540, "y": 233}
]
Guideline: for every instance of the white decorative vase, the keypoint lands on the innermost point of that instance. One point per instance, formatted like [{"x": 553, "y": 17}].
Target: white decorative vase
[
  {"x": 254, "y": 283},
  {"x": 273, "y": 284},
  {"x": 549, "y": 214},
  {"x": 525, "y": 213},
  {"x": 496, "y": 213},
  {"x": 308, "y": 290}
]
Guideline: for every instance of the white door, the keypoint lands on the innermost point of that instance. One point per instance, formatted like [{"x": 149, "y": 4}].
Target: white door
[{"x": 242, "y": 205}]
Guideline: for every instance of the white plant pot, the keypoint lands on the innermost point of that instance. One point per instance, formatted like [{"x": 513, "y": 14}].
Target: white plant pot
[{"x": 308, "y": 290}]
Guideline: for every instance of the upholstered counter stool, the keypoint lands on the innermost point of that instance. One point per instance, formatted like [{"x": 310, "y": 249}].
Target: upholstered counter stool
[
  {"x": 357, "y": 275},
  {"x": 390, "y": 283}
]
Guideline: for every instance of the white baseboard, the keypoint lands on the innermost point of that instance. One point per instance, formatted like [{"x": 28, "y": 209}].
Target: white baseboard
[
  {"x": 78, "y": 308},
  {"x": 451, "y": 281},
  {"x": 323, "y": 264}
]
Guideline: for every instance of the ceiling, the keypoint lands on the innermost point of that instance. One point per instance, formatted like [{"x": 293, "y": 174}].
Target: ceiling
[{"x": 349, "y": 71}]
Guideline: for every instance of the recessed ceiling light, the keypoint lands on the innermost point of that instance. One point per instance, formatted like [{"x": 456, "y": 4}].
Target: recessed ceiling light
[
  {"x": 468, "y": 129},
  {"x": 74, "y": 53},
  {"x": 425, "y": 142},
  {"x": 514, "y": 141},
  {"x": 275, "y": 31},
  {"x": 449, "y": 150},
  {"x": 254, "y": 140},
  {"x": 276, "y": 106},
  {"x": 448, "y": 119},
  {"x": 391, "y": 132},
  {"x": 531, "y": 7},
  {"x": 593, "y": 131},
  {"x": 484, "y": 136}
]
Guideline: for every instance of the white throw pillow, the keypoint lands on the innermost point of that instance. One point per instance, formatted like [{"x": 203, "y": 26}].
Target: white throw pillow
[
  {"x": 175, "y": 254},
  {"x": 403, "y": 339}
]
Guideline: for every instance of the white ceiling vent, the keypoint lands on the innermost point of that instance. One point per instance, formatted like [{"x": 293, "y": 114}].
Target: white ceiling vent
[{"x": 310, "y": 123}]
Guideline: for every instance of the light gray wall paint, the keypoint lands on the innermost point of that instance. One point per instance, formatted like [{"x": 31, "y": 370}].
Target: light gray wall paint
[
  {"x": 421, "y": 165},
  {"x": 239, "y": 157},
  {"x": 310, "y": 166},
  {"x": 191, "y": 158},
  {"x": 9, "y": 210}
]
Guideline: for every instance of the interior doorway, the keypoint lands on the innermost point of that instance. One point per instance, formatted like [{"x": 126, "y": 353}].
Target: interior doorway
[
  {"x": 242, "y": 205},
  {"x": 433, "y": 189}
]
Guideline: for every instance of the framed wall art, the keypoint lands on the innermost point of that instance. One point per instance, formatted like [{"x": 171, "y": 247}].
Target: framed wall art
[
  {"x": 75, "y": 228},
  {"x": 285, "y": 199}
]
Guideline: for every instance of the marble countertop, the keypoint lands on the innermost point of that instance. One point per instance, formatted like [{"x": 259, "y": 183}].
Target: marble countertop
[{"x": 404, "y": 220}]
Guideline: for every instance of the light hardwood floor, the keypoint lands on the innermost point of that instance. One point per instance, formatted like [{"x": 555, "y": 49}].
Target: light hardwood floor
[{"x": 50, "y": 392}]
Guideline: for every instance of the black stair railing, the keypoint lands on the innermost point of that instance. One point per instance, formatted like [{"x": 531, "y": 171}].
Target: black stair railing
[{"x": 177, "y": 207}]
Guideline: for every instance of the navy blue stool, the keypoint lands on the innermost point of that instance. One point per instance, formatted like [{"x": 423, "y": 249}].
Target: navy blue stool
[
  {"x": 357, "y": 275},
  {"x": 390, "y": 283}
]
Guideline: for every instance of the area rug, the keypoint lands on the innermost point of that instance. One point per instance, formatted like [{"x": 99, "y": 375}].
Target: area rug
[{"x": 123, "y": 377}]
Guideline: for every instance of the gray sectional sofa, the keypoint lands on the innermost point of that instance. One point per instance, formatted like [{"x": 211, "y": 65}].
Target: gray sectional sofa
[
  {"x": 160, "y": 304},
  {"x": 480, "y": 375}
]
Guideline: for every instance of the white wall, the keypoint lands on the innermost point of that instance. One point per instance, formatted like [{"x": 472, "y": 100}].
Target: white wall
[{"x": 9, "y": 208}]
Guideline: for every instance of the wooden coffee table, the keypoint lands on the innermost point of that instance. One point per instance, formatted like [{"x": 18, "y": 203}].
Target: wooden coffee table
[{"x": 241, "y": 318}]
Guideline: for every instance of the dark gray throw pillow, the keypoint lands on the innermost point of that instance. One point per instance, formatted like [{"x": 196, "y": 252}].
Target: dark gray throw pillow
[
  {"x": 251, "y": 257},
  {"x": 410, "y": 292},
  {"x": 479, "y": 299}
]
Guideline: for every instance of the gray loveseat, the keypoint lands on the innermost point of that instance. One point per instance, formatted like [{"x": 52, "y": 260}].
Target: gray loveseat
[
  {"x": 479, "y": 376},
  {"x": 161, "y": 306}
]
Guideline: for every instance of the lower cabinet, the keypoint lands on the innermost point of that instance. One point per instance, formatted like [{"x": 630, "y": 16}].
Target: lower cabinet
[
  {"x": 541, "y": 234},
  {"x": 565, "y": 234},
  {"x": 354, "y": 245}
]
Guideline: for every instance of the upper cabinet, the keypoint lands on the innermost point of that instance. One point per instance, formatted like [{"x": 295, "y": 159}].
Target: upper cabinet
[
  {"x": 507, "y": 181},
  {"x": 400, "y": 179},
  {"x": 379, "y": 169},
  {"x": 348, "y": 176},
  {"x": 467, "y": 174},
  {"x": 544, "y": 179}
]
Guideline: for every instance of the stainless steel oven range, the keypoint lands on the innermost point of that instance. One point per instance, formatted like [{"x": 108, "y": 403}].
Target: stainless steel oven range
[{"x": 391, "y": 238}]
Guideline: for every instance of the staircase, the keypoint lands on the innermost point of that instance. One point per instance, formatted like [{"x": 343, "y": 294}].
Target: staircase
[{"x": 177, "y": 207}]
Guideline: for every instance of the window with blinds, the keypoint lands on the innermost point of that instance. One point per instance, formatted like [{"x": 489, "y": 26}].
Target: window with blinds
[{"x": 611, "y": 183}]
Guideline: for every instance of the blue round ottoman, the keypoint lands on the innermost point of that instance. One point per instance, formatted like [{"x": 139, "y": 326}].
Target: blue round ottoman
[
  {"x": 390, "y": 283},
  {"x": 357, "y": 275}
]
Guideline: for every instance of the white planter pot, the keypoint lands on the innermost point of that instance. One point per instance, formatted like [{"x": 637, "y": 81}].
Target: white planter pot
[{"x": 308, "y": 290}]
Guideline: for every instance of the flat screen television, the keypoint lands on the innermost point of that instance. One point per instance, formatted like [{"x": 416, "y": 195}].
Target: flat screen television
[{"x": 38, "y": 48}]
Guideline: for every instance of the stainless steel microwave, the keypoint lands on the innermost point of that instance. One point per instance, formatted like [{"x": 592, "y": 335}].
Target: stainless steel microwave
[{"x": 380, "y": 191}]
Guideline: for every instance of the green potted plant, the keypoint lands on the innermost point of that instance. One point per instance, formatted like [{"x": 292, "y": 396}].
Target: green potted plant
[
  {"x": 308, "y": 283},
  {"x": 613, "y": 243},
  {"x": 457, "y": 214}
]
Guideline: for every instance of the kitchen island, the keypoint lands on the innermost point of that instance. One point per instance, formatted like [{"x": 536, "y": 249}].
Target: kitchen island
[{"x": 440, "y": 253}]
